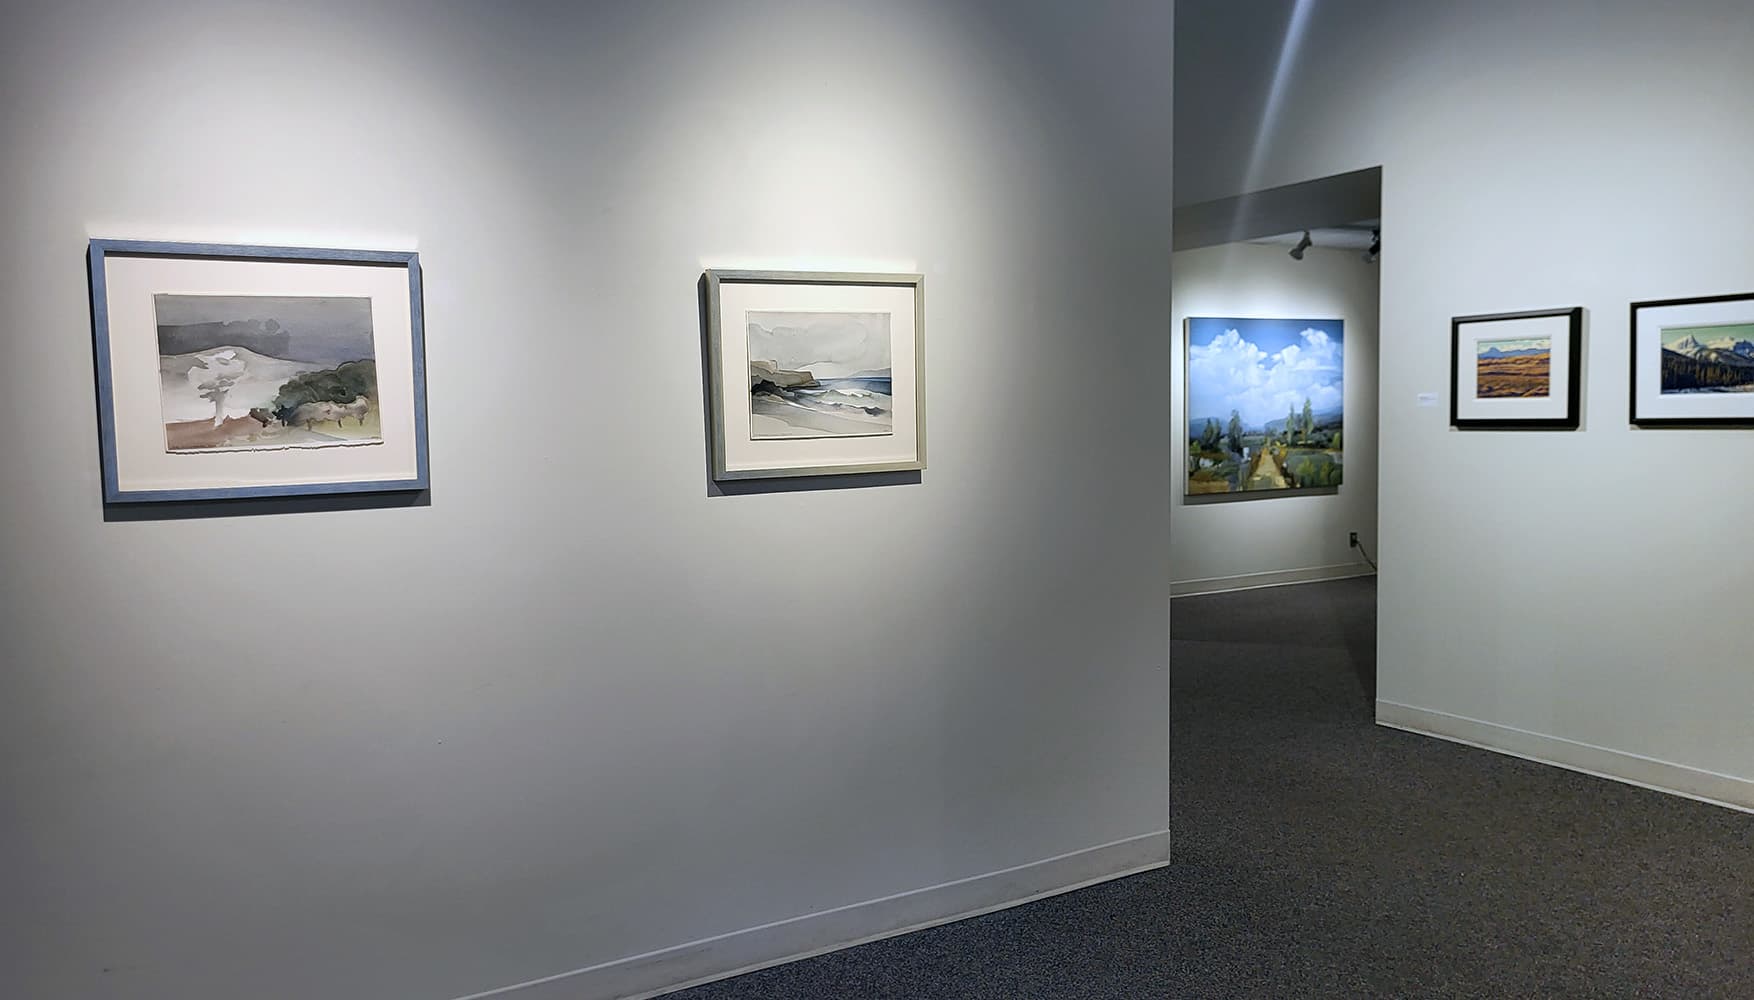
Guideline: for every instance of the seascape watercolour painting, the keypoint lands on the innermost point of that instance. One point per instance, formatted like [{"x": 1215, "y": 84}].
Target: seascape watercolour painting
[
  {"x": 244, "y": 372},
  {"x": 814, "y": 373},
  {"x": 1265, "y": 405},
  {"x": 819, "y": 374}
]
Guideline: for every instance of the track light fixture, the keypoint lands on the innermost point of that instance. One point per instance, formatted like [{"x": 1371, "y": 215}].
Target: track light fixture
[
  {"x": 1302, "y": 245},
  {"x": 1375, "y": 250}
]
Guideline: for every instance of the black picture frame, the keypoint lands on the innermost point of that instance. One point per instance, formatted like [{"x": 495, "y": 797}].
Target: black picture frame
[
  {"x": 1572, "y": 417},
  {"x": 1633, "y": 398}
]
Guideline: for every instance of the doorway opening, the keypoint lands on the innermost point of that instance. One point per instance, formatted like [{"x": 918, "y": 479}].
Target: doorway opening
[{"x": 1274, "y": 392}]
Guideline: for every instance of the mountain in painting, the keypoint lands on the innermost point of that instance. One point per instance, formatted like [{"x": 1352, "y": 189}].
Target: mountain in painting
[
  {"x": 1688, "y": 346},
  {"x": 1724, "y": 352}
]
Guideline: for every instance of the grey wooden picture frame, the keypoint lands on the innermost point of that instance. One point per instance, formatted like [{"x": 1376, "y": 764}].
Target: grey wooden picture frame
[
  {"x": 99, "y": 250},
  {"x": 718, "y": 394}
]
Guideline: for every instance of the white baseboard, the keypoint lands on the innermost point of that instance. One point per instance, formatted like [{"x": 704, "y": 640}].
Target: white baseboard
[
  {"x": 1616, "y": 765},
  {"x": 1275, "y": 578},
  {"x": 670, "y": 969}
]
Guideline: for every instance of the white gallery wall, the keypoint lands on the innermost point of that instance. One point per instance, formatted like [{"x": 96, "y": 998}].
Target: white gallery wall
[
  {"x": 1572, "y": 596},
  {"x": 1227, "y": 543},
  {"x": 579, "y": 706}
]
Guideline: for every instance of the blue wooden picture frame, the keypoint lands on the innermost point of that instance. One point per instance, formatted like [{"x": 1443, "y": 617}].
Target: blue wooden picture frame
[{"x": 102, "y": 249}]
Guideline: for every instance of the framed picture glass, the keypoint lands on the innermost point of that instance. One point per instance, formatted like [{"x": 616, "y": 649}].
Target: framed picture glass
[
  {"x": 1517, "y": 370},
  {"x": 816, "y": 373},
  {"x": 1266, "y": 402},
  {"x": 247, "y": 371},
  {"x": 1693, "y": 362}
]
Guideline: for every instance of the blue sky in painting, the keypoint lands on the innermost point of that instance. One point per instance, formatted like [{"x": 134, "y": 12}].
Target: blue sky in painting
[{"x": 1264, "y": 368}]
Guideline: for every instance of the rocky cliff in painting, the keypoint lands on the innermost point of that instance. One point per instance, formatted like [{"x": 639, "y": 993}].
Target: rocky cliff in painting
[{"x": 776, "y": 377}]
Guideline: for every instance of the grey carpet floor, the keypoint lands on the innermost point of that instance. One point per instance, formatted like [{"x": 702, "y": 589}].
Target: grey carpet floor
[{"x": 1317, "y": 855}]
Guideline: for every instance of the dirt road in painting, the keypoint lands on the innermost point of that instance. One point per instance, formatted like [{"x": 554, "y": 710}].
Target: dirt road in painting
[{"x": 1265, "y": 474}]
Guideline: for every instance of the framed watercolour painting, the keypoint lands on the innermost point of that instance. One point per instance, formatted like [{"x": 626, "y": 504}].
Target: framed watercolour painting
[
  {"x": 1693, "y": 362},
  {"x": 815, "y": 373},
  {"x": 1516, "y": 370},
  {"x": 248, "y": 371},
  {"x": 1266, "y": 402}
]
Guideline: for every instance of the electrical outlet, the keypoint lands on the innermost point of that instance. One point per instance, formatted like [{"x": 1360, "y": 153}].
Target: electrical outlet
[{"x": 1352, "y": 539}]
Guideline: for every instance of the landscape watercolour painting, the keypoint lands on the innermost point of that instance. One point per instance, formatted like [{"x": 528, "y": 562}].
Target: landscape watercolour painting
[
  {"x": 1706, "y": 359},
  {"x": 1515, "y": 368},
  {"x": 1265, "y": 405},
  {"x": 257, "y": 372},
  {"x": 819, "y": 374}
]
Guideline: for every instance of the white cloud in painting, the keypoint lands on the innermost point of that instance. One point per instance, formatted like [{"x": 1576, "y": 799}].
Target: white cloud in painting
[{"x": 1230, "y": 373}]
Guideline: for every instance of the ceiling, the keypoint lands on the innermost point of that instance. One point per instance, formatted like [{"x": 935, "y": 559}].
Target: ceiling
[{"x": 1353, "y": 236}]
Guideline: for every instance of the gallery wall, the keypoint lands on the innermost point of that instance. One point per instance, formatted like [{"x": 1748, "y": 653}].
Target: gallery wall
[
  {"x": 576, "y": 705},
  {"x": 1570, "y": 596},
  {"x": 1228, "y": 542}
]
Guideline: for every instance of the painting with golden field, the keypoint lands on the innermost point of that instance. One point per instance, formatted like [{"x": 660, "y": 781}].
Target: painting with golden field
[
  {"x": 1514, "y": 369},
  {"x": 1517, "y": 370}
]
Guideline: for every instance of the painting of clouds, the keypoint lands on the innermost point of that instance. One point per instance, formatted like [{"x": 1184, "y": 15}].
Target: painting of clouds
[
  {"x": 1708, "y": 359},
  {"x": 251, "y": 372},
  {"x": 819, "y": 374},
  {"x": 1265, "y": 403},
  {"x": 1517, "y": 368}
]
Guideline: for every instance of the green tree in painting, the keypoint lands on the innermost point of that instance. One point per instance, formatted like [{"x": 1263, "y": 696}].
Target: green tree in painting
[
  {"x": 1308, "y": 420},
  {"x": 336, "y": 385},
  {"x": 1210, "y": 435},
  {"x": 1235, "y": 431}
]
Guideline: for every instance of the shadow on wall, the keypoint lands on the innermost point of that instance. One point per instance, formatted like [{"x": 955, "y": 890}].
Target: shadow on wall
[
  {"x": 1203, "y": 499},
  {"x": 262, "y": 506}
]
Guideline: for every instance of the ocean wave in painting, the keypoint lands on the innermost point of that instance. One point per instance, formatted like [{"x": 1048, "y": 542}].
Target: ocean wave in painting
[
  {"x": 830, "y": 408},
  {"x": 815, "y": 375}
]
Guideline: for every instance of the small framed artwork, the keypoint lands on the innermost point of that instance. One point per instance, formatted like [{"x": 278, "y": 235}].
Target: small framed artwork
[
  {"x": 249, "y": 371},
  {"x": 815, "y": 373},
  {"x": 1517, "y": 370},
  {"x": 1693, "y": 362}
]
